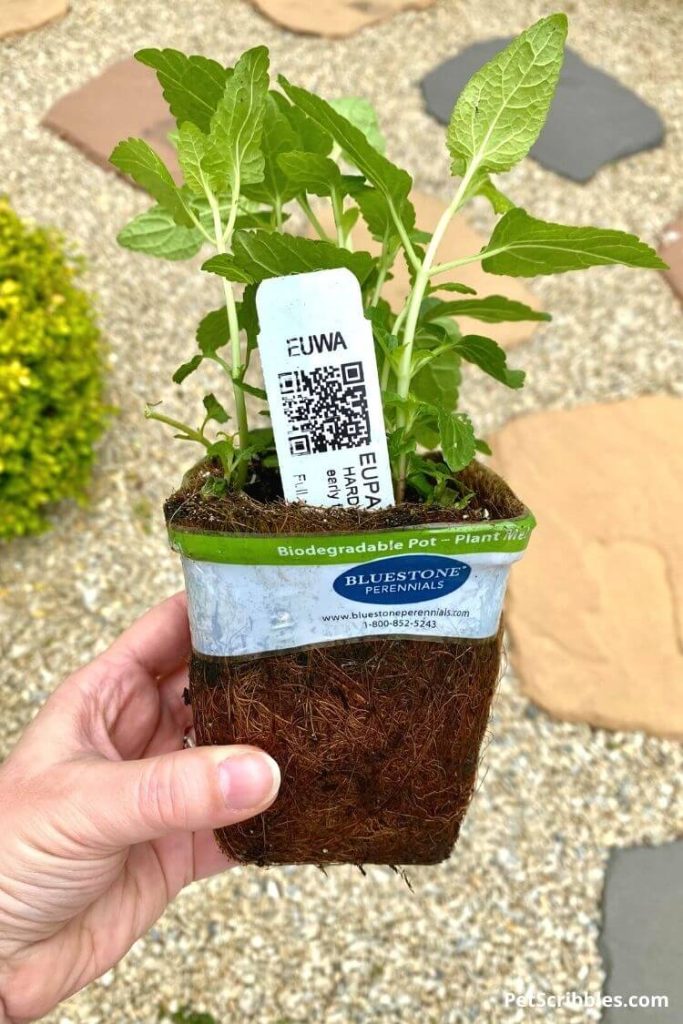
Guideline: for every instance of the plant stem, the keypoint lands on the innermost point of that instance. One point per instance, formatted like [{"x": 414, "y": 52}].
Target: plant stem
[
  {"x": 398, "y": 322},
  {"x": 403, "y": 235},
  {"x": 441, "y": 268},
  {"x": 190, "y": 433},
  {"x": 200, "y": 227},
  {"x": 222, "y": 240},
  {"x": 383, "y": 265},
  {"x": 386, "y": 373},
  {"x": 413, "y": 311},
  {"x": 337, "y": 209},
  {"x": 310, "y": 214}
]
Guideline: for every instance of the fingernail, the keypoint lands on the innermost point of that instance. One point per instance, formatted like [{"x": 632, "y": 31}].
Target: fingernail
[{"x": 248, "y": 781}]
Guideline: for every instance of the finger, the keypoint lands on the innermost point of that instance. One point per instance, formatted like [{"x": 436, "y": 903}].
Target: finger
[
  {"x": 158, "y": 642},
  {"x": 186, "y": 791},
  {"x": 209, "y": 859},
  {"x": 175, "y": 716}
]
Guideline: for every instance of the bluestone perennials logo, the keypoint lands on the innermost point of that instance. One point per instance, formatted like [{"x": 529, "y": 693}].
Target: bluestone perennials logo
[{"x": 404, "y": 579}]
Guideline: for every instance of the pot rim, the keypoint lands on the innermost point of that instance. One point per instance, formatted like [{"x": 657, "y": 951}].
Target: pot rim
[{"x": 252, "y": 548}]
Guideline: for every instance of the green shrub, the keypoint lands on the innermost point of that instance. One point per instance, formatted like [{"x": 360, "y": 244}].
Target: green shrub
[{"x": 51, "y": 362}]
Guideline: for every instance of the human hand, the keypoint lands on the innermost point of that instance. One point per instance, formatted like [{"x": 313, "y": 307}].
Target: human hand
[{"x": 105, "y": 818}]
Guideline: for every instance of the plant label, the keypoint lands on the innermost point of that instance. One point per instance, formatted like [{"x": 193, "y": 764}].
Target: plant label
[
  {"x": 320, "y": 372},
  {"x": 256, "y": 594}
]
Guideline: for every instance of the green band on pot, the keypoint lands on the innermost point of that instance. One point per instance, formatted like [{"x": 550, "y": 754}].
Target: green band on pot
[{"x": 508, "y": 535}]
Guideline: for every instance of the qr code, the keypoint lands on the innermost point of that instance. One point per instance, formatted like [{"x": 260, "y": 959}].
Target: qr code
[{"x": 326, "y": 408}]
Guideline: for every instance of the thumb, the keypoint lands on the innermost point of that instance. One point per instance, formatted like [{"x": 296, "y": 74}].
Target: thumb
[{"x": 202, "y": 788}]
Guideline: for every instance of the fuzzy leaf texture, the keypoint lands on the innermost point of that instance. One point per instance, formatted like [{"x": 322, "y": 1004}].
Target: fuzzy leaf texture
[
  {"x": 392, "y": 181},
  {"x": 313, "y": 173},
  {"x": 492, "y": 309},
  {"x": 439, "y": 380},
  {"x": 214, "y": 409},
  {"x": 491, "y": 358},
  {"x": 457, "y": 439},
  {"x": 361, "y": 113},
  {"x": 310, "y": 136},
  {"x": 258, "y": 255},
  {"x": 191, "y": 148},
  {"x": 192, "y": 86},
  {"x": 278, "y": 137},
  {"x": 186, "y": 369},
  {"x": 375, "y": 211},
  {"x": 213, "y": 331},
  {"x": 233, "y": 155},
  {"x": 155, "y": 233},
  {"x": 136, "y": 158},
  {"x": 500, "y": 112},
  {"x": 523, "y": 246}
]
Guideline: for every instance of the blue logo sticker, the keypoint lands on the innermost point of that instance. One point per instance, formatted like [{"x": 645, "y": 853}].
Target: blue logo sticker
[{"x": 404, "y": 579}]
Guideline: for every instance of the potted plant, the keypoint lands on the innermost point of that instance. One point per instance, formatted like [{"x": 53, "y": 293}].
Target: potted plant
[{"x": 375, "y": 713}]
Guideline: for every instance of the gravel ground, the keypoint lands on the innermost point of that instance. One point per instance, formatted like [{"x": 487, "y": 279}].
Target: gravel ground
[{"x": 518, "y": 903}]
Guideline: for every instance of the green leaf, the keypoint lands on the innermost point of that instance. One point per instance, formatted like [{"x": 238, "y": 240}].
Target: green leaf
[
  {"x": 457, "y": 439},
  {"x": 191, "y": 149},
  {"x": 258, "y": 255},
  {"x": 155, "y": 232},
  {"x": 213, "y": 487},
  {"x": 213, "y": 331},
  {"x": 310, "y": 136},
  {"x": 426, "y": 431},
  {"x": 312, "y": 173},
  {"x": 492, "y": 309},
  {"x": 361, "y": 113},
  {"x": 136, "y": 158},
  {"x": 500, "y": 112},
  {"x": 489, "y": 357},
  {"x": 249, "y": 215},
  {"x": 192, "y": 86},
  {"x": 214, "y": 409},
  {"x": 234, "y": 156},
  {"x": 400, "y": 443},
  {"x": 278, "y": 137},
  {"x": 453, "y": 286},
  {"x": 500, "y": 203},
  {"x": 348, "y": 219},
  {"x": 374, "y": 208},
  {"x": 262, "y": 438},
  {"x": 523, "y": 247},
  {"x": 482, "y": 446},
  {"x": 247, "y": 316},
  {"x": 439, "y": 380},
  {"x": 251, "y": 390},
  {"x": 186, "y": 369},
  {"x": 391, "y": 180}
]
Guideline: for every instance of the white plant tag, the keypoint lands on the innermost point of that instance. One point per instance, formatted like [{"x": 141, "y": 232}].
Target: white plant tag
[{"x": 321, "y": 379}]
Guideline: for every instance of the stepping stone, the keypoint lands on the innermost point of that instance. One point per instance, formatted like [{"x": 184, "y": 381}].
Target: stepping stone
[
  {"x": 125, "y": 100},
  {"x": 594, "y": 119},
  {"x": 334, "y": 18},
  {"x": 641, "y": 931},
  {"x": 671, "y": 251},
  {"x": 19, "y": 16},
  {"x": 459, "y": 240},
  {"x": 595, "y": 608}
]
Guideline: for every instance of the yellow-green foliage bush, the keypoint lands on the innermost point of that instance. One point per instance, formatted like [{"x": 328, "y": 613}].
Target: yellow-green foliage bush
[{"x": 51, "y": 407}]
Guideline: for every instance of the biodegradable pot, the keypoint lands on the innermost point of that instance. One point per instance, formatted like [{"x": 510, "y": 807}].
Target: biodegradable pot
[{"x": 378, "y": 738}]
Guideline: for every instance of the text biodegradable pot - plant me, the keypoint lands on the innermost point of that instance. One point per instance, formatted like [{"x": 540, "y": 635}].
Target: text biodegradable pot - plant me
[{"x": 377, "y": 736}]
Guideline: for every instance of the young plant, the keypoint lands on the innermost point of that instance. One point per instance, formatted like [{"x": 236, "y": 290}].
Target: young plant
[{"x": 249, "y": 153}]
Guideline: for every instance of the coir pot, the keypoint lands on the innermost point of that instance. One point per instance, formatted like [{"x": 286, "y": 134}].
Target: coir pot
[{"x": 360, "y": 649}]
